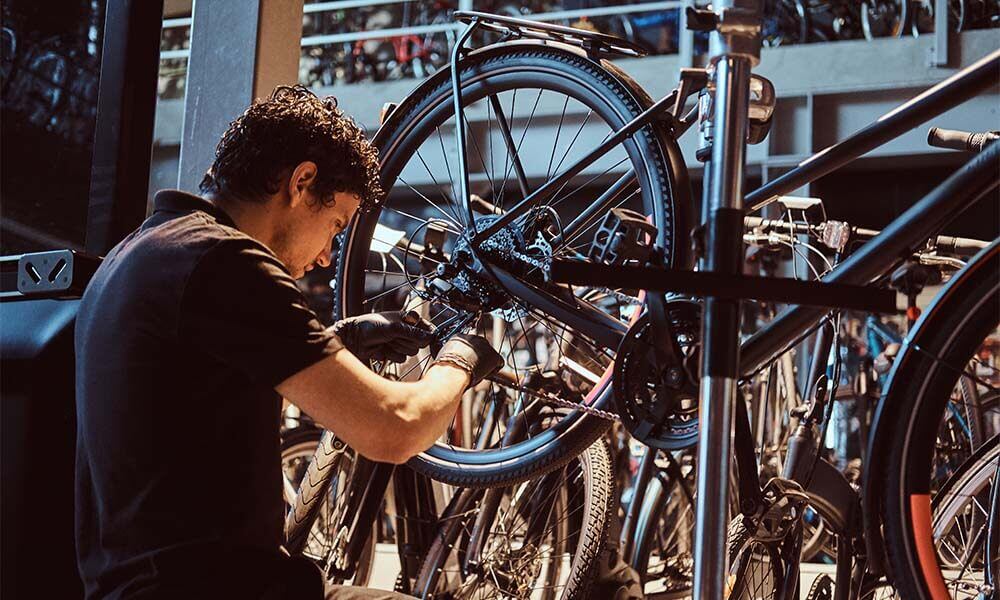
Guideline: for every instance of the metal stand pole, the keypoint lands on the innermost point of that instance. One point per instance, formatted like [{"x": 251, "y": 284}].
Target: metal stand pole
[{"x": 734, "y": 49}]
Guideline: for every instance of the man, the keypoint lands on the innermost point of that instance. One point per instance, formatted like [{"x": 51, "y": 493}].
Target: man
[{"x": 189, "y": 335}]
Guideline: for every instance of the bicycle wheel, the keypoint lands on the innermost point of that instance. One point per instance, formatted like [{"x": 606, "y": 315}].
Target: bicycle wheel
[
  {"x": 544, "y": 541},
  {"x": 662, "y": 552},
  {"x": 883, "y": 18},
  {"x": 962, "y": 512},
  {"x": 318, "y": 474},
  {"x": 756, "y": 571},
  {"x": 413, "y": 250},
  {"x": 946, "y": 344}
]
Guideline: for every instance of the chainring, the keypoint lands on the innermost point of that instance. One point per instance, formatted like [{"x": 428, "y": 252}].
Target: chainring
[{"x": 656, "y": 416}]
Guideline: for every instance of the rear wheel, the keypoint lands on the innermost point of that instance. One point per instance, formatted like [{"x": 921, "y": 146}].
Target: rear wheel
[{"x": 414, "y": 250}]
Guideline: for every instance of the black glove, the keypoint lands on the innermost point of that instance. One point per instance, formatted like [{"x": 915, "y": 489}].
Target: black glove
[
  {"x": 385, "y": 336},
  {"x": 471, "y": 353}
]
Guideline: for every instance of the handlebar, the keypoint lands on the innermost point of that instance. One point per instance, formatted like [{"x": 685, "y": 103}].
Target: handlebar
[
  {"x": 960, "y": 140},
  {"x": 957, "y": 246}
]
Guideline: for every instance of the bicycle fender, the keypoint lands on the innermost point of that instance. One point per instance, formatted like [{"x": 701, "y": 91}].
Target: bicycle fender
[
  {"x": 882, "y": 432},
  {"x": 832, "y": 495}
]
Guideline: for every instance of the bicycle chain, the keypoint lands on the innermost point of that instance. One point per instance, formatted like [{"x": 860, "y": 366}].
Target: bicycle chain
[
  {"x": 556, "y": 400},
  {"x": 627, "y": 299}
]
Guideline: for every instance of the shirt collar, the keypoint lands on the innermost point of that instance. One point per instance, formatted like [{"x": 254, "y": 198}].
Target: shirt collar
[{"x": 176, "y": 201}]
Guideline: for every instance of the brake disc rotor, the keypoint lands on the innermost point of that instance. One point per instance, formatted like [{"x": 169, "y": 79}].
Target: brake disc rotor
[{"x": 655, "y": 415}]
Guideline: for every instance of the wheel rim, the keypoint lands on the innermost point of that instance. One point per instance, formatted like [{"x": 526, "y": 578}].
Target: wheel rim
[{"x": 516, "y": 341}]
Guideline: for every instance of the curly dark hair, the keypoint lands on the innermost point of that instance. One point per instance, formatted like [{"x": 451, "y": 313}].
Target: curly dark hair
[{"x": 291, "y": 126}]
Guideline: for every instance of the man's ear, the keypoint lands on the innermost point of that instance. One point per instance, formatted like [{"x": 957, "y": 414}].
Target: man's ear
[{"x": 301, "y": 179}]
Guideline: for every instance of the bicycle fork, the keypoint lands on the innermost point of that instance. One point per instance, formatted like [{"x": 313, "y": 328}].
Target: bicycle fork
[{"x": 734, "y": 49}]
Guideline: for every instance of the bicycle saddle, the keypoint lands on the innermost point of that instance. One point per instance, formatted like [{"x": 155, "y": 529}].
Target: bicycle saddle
[{"x": 596, "y": 44}]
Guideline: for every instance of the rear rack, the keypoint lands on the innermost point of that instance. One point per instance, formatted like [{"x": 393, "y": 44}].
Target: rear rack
[{"x": 597, "y": 45}]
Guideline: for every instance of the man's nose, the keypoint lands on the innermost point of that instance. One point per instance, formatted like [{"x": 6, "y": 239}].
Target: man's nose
[{"x": 324, "y": 258}]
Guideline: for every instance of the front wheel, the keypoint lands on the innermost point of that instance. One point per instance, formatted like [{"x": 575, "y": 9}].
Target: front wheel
[
  {"x": 542, "y": 539},
  {"x": 317, "y": 471}
]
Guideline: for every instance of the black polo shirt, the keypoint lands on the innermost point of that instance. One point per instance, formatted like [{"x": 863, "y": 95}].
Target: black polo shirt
[{"x": 182, "y": 335}]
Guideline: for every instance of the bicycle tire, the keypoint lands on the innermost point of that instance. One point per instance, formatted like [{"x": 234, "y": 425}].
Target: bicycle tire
[
  {"x": 598, "y": 510},
  {"x": 663, "y": 180},
  {"x": 922, "y": 381},
  {"x": 313, "y": 493}
]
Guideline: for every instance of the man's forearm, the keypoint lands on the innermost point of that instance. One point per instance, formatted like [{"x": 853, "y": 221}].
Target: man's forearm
[{"x": 436, "y": 400}]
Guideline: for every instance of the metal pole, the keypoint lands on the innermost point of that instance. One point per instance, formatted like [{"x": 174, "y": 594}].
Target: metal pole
[
  {"x": 942, "y": 33},
  {"x": 123, "y": 137},
  {"x": 734, "y": 49},
  {"x": 685, "y": 38},
  {"x": 456, "y": 85}
]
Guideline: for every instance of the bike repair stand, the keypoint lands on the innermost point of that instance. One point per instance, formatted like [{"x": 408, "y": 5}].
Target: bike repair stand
[{"x": 734, "y": 48}]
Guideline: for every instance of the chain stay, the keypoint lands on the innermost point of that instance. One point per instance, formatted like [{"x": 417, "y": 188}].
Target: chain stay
[{"x": 556, "y": 400}]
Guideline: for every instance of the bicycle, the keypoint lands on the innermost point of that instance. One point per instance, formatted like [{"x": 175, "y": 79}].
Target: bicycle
[
  {"x": 658, "y": 530},
  {"x": 494, "y": 252},
  {"x": 722, "y": 367}
]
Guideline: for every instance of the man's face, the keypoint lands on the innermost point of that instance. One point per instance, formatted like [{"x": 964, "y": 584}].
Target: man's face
[{"x": 310, "y": 230}]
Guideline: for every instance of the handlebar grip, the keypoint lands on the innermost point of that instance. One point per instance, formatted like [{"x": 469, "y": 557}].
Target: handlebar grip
[
  {"x": 960, "y": 140},
  {"x": 959, "y": 246}
]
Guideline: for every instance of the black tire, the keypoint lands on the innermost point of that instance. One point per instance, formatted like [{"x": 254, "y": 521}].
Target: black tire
[
  {"x": 310, "y": 512},
  {"x": 589, "y": 504},
  {"x": 922, "y": 381},
  {"x": 665, "y": 194}
]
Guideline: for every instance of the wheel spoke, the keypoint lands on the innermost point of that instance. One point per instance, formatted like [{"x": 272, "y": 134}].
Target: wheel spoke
[{"x": 444, "y": 213}]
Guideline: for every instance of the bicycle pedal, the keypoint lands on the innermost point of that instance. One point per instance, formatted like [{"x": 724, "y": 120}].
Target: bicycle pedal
[{"x": 623, "y": 236}]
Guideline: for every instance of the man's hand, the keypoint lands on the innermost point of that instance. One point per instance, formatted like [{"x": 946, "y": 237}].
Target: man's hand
[
  {"x": 471, "y": 353},
  {"x": 385, "y": 336}
]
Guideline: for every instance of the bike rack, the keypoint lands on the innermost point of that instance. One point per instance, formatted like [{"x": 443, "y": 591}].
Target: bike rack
[{"x": 596, "y": 44}]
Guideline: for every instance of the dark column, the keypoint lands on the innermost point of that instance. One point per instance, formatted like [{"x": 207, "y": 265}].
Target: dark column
[
  {"x": 124, "y": 132},
  {"x": 240, "y": 50}
]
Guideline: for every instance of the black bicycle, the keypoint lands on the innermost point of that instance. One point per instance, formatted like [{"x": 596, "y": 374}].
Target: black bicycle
[{"x": 481, "y": 238}]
